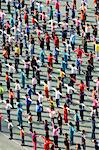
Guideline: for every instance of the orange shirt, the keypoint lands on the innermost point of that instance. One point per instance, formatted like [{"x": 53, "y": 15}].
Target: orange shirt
[
  {"x": 45, "y": 87},
  {"x": 5, "y": 54},
  {"x": 95, "y": 1},
  {"x": 11, "y": 94},
  {"x": 6, "y": 77},
  {"x": 93, "y": 93},
  {"x": 21, "y": 132},
  {"x": 82, "y": 16},
  {"x": 82, "y": 87}
]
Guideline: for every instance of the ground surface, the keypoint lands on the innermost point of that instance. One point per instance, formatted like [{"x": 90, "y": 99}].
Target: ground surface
[{"x": 5, "y": 143}]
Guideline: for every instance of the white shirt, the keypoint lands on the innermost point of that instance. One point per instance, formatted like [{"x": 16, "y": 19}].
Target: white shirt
[
  {"x": 17, "y": 86},
  {"x": 10, "y": 124},
  {"x": 57, "y": 94},
  {"x": 34, "y": 81},
  {"x": 40, "y": 97},
  {"x": 49, "y": 85},
  {"x": 8, "y": 106},
  {"x": 73, "y": 69},
  {"x": 70, "y": 89},
  {"x": 11, "y": 68}
]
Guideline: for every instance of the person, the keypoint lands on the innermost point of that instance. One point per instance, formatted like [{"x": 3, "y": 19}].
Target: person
[
  {"x": 30, "y": 120},
  {"x": 57, "y": 97},
  {"x": 96, "y": 144},
  {"x": 34, "y": 139},
  {"x": 8, "y": 109},
  {"x": 77, "y": 119},
  {"x": 55, "y": 134},
  {"x": 19, "y": 115},
  {"x": 83, "y": 139},
  {"x": 1, "y": 91},
  {"x": 17, "y": 89},
  {"x": 46, "y": 91},
  {"x": 29, "y": 91},
  {"x": 10, "y": 127},
  {"x": 87, "y": 78},
  {"x": 93, "y": 128},
  {"x": 38, "y": 111},
  {"x": 82, "y": 109},
  {"x": 46, "y": 128},
  {"x": 59, "y": 119},
  {"x": 89, "y": 69},
  {"x": 11, "y": 97},
  {"x": 34, "y": 83},
  {"x": 22, "y": 76},
  {"x": 78, "y": 147},
  {"x": 28, "y": 102},
  {"x": 7, "y": 78},
  {"x": 71, "y": 133},
  {"x": 22, "y": 135},
  {"x": 65, "y": 109},
  {"x": 27, "y": 67},
  {"x": 66, "y": 142},
  {"x": 47, "y": 142}
]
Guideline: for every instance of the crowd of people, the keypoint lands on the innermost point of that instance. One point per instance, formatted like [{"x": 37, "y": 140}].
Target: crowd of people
[{"x": 40, "y": 37}]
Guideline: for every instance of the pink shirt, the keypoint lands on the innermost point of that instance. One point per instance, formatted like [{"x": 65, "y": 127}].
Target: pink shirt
[
  {"x": 55, "y": 131},
  {"x": 95, "y": 103}
]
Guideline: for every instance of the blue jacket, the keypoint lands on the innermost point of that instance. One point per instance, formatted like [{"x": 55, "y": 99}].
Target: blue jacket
[
  {"x": 38, "y": 108},
  {"x": 72, "y": 39},
  {"x": 28, "y": 102}
]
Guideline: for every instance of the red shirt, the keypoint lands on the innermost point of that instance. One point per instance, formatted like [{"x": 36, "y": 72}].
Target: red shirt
[
  {"x": 50, "y": 59},
  {"x": 79, "y": 52},
  {"x": 56, "y": 41},
  {"x": 57, "y": 5},
  {"x": 82, "y": 87},
  {"x": 33, "y": 21},
  {"x": 47, "y": 37}
]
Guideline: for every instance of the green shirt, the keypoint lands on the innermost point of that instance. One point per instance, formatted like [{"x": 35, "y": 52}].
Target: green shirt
[{"x": 1, "y": 90}]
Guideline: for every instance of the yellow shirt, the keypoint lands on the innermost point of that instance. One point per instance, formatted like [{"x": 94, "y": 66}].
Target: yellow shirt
[
  {"x": 62, "y": 74},
  {"x": 17, "y": 50},
  {"x": 97, "y": 47}
]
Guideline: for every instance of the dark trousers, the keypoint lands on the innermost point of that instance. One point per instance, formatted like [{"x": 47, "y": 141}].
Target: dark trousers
[
  {"x": 73, "y": 46},
  {"x": 34, "y": 89},
  {"x": 82, "y": 114},
  {"x": 1, "y": 96},
  {"x": 78, "y": 30},
  {"x": 27, "y": 72},
  {"x": 39, "y": 116},
  {"x": 48, "y": 46},
  {"x": 30, "y": 126},
  {"x": 28, "y": 108},
  {"x": 8, "y": 85},
  {"x": 81, "y": 97},
  {"x": 18, "y": 95},
  {"x": 22, "y": 140},
  {"x": 8, "y": 114},
  {"x": 77, "y": 125},
  {"x": 11, "y": 101},
  {"x": 60, "y": 127},
  {"x": 93, "y": 134},
  {"x": 11, "y": 134},
  {"x": 57, "y": 102},
  {"x": 56, "y": 141},
  {"x": 34, "y": 71}
]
